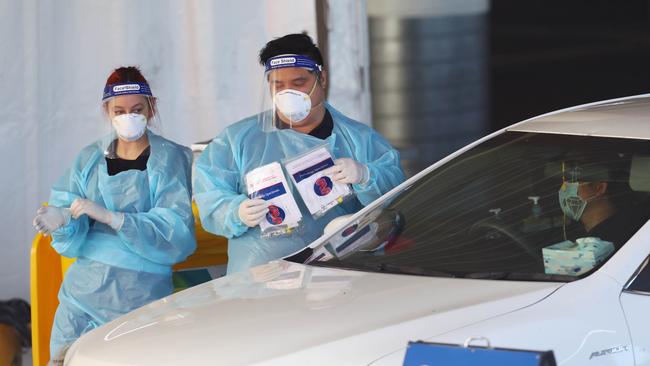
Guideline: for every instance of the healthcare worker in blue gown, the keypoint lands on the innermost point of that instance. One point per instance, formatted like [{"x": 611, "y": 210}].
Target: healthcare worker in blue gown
[
  {"x": 124, "y": 211},
  {"x": 298, "y": 119}
]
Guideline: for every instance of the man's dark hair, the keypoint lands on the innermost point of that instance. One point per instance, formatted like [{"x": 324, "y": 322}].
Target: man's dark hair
[
  {"x": 605, "y": 166},
  {"x": 297, "y": 44},
  {"x": 16, "y": 314}
]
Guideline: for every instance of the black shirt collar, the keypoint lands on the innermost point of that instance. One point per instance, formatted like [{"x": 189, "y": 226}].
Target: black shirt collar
[{"x": 322, "y": 131}]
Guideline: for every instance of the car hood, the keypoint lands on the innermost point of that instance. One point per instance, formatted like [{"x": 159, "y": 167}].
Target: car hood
[{"x": 282, "y": 311}]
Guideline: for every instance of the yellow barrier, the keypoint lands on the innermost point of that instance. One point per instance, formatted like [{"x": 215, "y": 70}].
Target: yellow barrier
[{"x": 47, "y": 269}]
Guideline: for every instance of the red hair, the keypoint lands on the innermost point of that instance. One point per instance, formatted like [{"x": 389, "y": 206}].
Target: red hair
[{"x": 130, "y": 74}]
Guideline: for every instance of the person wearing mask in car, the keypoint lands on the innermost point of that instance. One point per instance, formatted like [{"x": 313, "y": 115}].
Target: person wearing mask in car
[
  {"x": 123, "y": 210},
  {"x": 595, "y": 192},
  {"x": 296, "y": 119}
]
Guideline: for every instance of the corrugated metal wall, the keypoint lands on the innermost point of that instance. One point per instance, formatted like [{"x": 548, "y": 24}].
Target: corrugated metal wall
[{"x": 429, "y": 82}]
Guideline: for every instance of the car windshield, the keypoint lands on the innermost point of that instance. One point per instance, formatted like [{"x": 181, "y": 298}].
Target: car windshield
[{"x": 494, "y": 212}]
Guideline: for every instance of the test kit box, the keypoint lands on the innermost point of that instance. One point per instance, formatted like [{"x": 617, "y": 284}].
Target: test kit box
[
  {"x": 317, "y": 190},
  {"x": 574, "y": 259},
  {"x": 268, "y": 183}
]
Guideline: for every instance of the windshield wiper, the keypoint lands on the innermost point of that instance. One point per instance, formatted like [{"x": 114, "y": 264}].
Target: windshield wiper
[
  {"x": 519, "y": 276},
  {"x": 410, "y": 270},
  {"x": 384, "y": 268}
]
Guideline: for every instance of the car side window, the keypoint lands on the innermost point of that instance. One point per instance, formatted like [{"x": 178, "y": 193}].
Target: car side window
[{"x": 640, "y": 282}]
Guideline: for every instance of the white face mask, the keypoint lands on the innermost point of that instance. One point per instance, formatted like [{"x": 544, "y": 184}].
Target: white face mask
[
  {"x": 294, "y": 104},
  {"x": 130, "y": 127}
]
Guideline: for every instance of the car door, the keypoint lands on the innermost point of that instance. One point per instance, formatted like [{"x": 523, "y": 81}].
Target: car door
[{"x": 635, "y": 300}]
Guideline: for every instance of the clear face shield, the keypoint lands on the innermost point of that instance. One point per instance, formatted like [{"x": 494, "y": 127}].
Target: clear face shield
[
  {"x": 131, "y": 110},
  {"x": 291, "y": 91}
]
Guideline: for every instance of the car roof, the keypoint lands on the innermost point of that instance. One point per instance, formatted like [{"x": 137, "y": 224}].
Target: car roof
[{"x": 627, "y": 117}]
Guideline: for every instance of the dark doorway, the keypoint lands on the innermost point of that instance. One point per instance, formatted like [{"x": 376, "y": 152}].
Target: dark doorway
[{"x": 551, "y": 54}]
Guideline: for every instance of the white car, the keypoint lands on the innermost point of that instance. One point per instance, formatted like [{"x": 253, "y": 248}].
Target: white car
[{"x": 474, "y": 246}]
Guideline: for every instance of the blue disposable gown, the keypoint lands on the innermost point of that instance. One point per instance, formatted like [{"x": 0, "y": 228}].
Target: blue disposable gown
[
  {"x": 219, "y": 181},
  {"x": 116, "y": 272}
]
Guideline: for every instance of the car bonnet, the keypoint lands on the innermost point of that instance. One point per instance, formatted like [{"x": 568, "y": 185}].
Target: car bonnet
[{"x": 280, "y": 308}]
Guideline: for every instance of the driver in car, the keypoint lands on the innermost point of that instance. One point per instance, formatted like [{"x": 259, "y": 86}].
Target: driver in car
[{"x": 597, "y": 194}]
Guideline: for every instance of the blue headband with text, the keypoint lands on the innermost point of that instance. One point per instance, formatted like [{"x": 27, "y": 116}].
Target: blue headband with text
[
  {"x": 114, "y": 90},
  {"x": 282, "y": 61}
]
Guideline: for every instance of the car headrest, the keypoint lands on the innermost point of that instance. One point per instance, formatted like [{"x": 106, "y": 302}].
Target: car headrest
[{"x": 640, "y": 173}]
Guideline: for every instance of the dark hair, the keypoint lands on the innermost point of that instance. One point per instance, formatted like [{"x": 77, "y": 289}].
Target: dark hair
[
  {"x": 128, "y": 74},
  {"x": 297, "y": 44},
  {"x": 610, "y": 167},
  {"x": 16, "y": 314}
]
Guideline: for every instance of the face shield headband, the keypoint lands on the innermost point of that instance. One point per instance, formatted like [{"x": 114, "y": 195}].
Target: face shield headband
[
  {"x": 282, "y": 61},
  {"x": 115, "y": 90}
]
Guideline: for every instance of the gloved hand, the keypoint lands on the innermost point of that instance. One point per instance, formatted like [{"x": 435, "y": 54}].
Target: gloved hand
[
  {"x": 251, "y": 211},
  {"x": 50, "y": 218},
  {"x": 348, "y": 171},
  {"x": 82, "y": 206}
]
